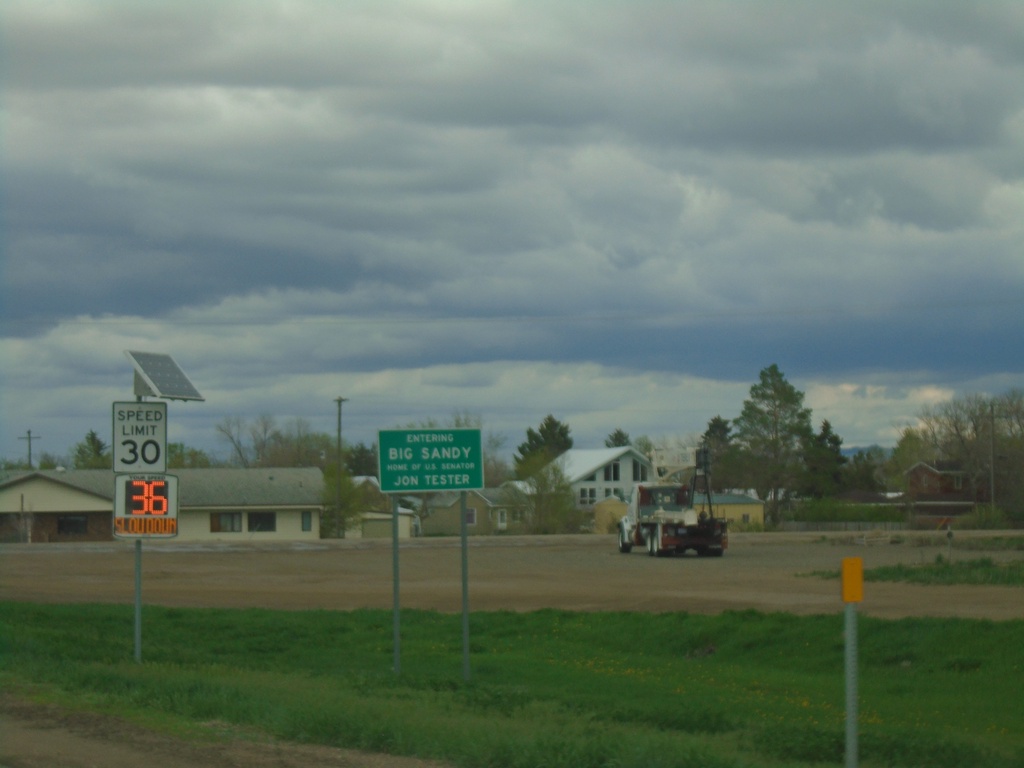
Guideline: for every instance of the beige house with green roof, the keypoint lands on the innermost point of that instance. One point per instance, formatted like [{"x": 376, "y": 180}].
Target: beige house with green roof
[{"x": 280, "y": 504}]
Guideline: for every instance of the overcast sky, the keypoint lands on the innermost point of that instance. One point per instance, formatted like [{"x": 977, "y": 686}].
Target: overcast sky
[{"x": 617, "y": 213}]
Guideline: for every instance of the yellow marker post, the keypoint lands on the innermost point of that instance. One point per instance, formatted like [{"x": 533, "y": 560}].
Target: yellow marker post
[
  {"x": 853, "y": 580},
  {"x": 853, "y": 593}
]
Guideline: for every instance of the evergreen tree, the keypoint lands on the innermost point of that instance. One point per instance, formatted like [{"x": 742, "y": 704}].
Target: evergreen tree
[
  {"x": 92, "y": 453},
  {"x": 770, "y": 430},
  {"x": 865, "y": 471},
  {"x": 617, "y": 439},
  {"x": 823, "y": 463},
  {"x": 542, "y": 445},
  {"x": 361, "y": 460},
  {"x": 717, "y": 438}
]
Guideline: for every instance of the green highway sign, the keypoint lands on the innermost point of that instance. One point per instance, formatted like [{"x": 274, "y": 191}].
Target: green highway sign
[{"x": 430, "y": 460}]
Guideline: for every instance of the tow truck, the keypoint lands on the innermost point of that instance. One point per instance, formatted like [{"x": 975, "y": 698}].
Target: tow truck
[{"x": 662, "y": 518}]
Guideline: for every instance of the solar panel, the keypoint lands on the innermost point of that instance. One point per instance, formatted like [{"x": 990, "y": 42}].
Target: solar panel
[{"x": 157, "y": 375}]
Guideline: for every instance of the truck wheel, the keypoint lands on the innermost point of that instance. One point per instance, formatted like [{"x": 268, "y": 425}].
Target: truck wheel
[{"x": 625, "y": 544}]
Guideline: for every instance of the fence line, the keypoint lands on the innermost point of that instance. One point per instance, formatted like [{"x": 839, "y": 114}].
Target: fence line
[{"x": 801, "y": 527}]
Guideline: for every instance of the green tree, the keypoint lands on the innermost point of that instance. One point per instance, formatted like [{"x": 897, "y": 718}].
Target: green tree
[
  {"x": 770, "y": 431},
  {"x": 49, "y": 461},
  {"x": 542, "y": 445},
  {"x": 823, "y": 462},
  {"x": 180, "y": 455},
  {"x": 345, "y": 502},
  {"x": 92, "y": 453},
  {"x": 717, "y": 438},
  {"x": 865, "y": 471},
  {"x": 911, "y": 448},
  {"x": 546, "y": 495},
  {"x": 617, "y": 439},
  {"x": 361, "y": 460}
]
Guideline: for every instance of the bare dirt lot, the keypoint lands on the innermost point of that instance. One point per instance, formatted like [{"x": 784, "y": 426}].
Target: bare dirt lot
[{"x": 767, "y": 572}]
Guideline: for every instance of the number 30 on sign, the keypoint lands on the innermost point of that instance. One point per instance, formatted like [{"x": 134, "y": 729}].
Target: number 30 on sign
[{"x": 146, "y": 506}]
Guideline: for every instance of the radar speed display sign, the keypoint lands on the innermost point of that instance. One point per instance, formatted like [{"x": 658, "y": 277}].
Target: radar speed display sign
[{"x": 146, "y": 506}]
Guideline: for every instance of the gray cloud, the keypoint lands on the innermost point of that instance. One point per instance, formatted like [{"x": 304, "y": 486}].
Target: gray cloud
[{"x": 457, "y": 202}]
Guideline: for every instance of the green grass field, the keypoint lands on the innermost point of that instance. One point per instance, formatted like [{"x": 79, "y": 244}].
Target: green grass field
[{"x": 549, "y": 688}]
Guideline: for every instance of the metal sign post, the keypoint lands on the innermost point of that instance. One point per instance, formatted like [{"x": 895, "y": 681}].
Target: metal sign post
[
  {"x": 853, "y": 593},
  {"x": 465, "y": 586},
  {"x": 430, "y": 460},
  {"x": 138, "y": 601},
  {"x": 146, "y": 499},
  {"x": 397, "y": 611},
  {"x": 145, "y": 507}
]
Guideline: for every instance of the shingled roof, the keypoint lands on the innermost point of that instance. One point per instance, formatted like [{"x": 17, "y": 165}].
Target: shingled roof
[{"x": 251, "y": 487}]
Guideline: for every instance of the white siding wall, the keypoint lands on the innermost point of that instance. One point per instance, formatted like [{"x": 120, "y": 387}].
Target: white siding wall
[
  {"x": 195, "y": 526},
  {"x": 44, "y": 496},
  {"x": 599, "y": 489}
]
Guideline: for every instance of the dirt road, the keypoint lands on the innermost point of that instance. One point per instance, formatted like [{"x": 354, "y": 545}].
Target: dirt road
[
  {"x": 767, "y": 572},
  {"x": 760, "y": 571}
]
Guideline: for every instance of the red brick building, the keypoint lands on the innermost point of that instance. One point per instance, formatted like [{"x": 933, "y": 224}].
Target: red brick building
[{"x": 942, "y": 489}]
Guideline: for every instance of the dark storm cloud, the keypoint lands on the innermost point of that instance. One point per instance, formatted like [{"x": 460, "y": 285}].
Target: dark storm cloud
[{"x": 568, "y": 201}]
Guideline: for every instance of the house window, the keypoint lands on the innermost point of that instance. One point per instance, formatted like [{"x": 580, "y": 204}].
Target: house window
[
  {"x": 226, "y": 522},
  {"x": 639, "y": 471},
  {"x": 307, "y": 521},
  {"x": 262, "y": 522},
  {"x": 72, "y": 525},
  {"x": 958, "y": 482},
  {"x": 611, "y": 472},
  {"x": 587, "y": 496},
  {"x": 470, "y": 516}
]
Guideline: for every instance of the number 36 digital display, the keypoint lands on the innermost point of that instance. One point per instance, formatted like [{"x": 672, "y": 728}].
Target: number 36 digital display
[{"x": 146, "y": 506}]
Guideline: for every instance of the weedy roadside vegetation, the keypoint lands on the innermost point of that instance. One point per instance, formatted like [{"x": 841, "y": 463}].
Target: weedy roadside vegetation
[
  {"x": 549, "y": 688},
  {"x": 944, "y": 571}
]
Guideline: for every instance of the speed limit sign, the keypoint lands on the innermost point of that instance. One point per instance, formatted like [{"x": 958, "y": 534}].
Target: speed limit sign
[{"x": 140, "y": 437}]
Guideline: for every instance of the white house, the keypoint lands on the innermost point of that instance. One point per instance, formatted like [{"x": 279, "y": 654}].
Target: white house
[{"x": 604, "y": 472}]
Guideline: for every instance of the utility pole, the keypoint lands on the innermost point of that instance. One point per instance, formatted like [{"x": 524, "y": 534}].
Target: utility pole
[
  {"x": 339, "y": 401},
  {"x": 30, "y": 437}
]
